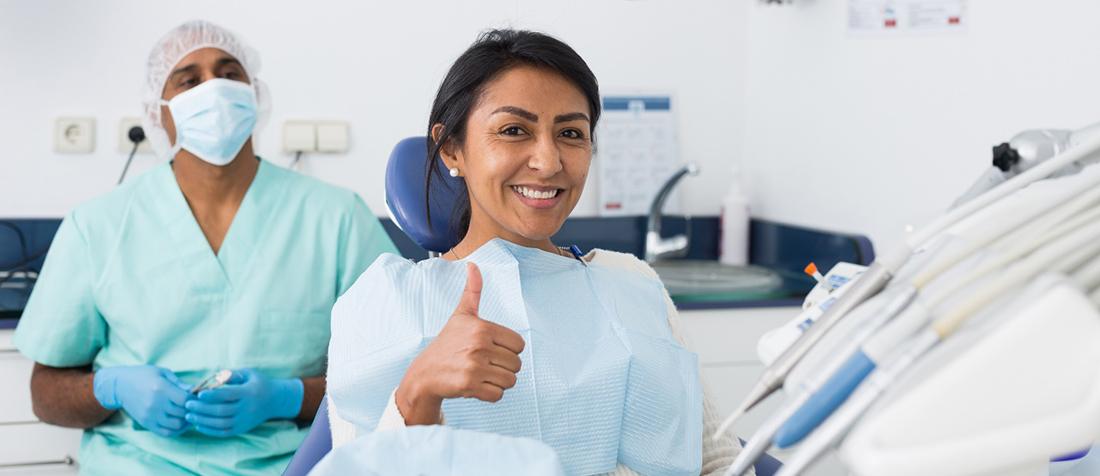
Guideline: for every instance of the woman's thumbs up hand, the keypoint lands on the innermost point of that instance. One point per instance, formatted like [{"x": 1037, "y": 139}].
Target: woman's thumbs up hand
[{"x": 470, "y": 357}]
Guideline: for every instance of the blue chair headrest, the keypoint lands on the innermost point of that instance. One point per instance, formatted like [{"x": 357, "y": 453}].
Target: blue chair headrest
[{"x": 405, "y": 180}]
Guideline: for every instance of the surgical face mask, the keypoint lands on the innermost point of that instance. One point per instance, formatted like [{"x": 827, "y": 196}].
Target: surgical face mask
[{"x": 214, "y": 119}]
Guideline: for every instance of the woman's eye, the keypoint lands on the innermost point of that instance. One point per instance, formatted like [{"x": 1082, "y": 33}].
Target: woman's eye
[
  {"x": 572, "y": 134},
  {"x": 512, "y": 131},
  {"x": 188, "y": 82}
]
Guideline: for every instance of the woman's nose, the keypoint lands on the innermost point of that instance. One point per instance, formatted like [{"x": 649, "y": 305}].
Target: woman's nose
[{"x": 546, "y": 158}]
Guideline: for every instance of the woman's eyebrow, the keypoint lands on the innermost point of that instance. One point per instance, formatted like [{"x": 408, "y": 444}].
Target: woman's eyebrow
[
  {"x": 519, "y": 111},
  {"x": 573, "y": 116}
]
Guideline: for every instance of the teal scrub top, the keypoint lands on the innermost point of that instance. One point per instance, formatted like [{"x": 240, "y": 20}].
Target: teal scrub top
[{"x": 130, "y": 279}]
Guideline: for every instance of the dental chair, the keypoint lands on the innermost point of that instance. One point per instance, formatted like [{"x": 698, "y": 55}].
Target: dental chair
[{"x": 405, "y": 200}]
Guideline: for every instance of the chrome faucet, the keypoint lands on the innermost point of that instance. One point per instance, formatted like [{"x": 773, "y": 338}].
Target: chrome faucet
[{"x": 675, "y": 246}]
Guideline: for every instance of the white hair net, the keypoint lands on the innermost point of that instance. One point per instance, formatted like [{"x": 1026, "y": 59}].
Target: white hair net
[{"x": 173, "y": 47}]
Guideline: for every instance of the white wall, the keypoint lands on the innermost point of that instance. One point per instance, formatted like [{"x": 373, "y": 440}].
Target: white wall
[
  {"x": 871, "y": 134},
  {"x": 374, "y": 64},
  {"x": 848, "y": 133}
]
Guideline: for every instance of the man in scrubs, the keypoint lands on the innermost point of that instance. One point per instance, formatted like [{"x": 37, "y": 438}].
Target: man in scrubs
[{"x": 214, "y": 260}]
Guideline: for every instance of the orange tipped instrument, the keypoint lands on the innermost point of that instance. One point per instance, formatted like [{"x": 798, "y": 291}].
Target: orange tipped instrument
[{"x": 811, "y": 269}]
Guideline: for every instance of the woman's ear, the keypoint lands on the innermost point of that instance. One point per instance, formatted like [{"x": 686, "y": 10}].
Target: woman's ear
[{"x": 447, "y": 152}]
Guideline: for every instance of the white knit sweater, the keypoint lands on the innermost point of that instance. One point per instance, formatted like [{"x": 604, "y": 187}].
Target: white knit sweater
[{"x": 717, "y": 455}]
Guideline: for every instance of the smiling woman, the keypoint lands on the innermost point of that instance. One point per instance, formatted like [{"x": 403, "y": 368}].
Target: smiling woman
[
  {"x": 489, "y": 107},
  {"x": 507, "y": 333},
  {"x": 524, "y": 175}
]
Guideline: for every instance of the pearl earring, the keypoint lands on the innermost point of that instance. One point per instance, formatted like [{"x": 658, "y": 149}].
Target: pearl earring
[{"x": 454, "y": 172}]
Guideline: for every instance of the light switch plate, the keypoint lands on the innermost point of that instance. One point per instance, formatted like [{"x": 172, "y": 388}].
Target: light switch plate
[
  {"x": 299, "y": 136},
  {"x": 74, "y": 135},
  {"x": 124, "y": 144},
  {"x": 332, "y": 136}
]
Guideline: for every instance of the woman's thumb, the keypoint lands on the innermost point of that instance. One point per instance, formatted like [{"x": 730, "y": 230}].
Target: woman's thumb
[{"x": 471, "y": 295}]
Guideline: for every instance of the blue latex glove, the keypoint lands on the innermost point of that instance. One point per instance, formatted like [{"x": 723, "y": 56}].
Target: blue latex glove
[
  {"x": 152, "y": 396},
  {"x": 245, "y": 401}
]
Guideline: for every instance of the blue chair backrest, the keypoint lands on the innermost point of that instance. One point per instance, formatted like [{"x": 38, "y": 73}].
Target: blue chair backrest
[{"x": 405, "y": 199}]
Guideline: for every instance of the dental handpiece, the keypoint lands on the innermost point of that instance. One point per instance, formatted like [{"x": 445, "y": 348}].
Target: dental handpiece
[
  {"x": 763, "y": 437},
  {"x": 834, "y": 429}
]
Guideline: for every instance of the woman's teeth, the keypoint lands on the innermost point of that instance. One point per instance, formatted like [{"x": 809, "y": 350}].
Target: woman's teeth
[{"x": 536, "y": 194}]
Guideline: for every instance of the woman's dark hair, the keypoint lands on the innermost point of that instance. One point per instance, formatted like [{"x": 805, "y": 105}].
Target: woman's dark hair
[{"x": 495, "y": 52}]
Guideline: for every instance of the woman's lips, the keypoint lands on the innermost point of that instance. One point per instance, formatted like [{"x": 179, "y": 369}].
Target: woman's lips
[{"x": 538, "y": 197}]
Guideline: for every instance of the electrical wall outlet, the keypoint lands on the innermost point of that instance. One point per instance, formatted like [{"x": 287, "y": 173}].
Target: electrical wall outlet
[
  {"x": 74, "y": 135},
  {"x": 124, "y": 144}
]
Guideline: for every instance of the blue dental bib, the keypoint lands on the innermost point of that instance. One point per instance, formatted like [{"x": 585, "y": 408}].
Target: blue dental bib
[{"x": 603, "y": 381}]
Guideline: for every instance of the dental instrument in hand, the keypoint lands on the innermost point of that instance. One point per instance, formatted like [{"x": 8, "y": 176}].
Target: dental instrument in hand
[{"x": 215, "y": 380}]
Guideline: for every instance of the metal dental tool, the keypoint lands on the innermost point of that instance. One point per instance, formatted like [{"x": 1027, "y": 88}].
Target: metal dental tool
[{"x": 216, "y": 380}]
